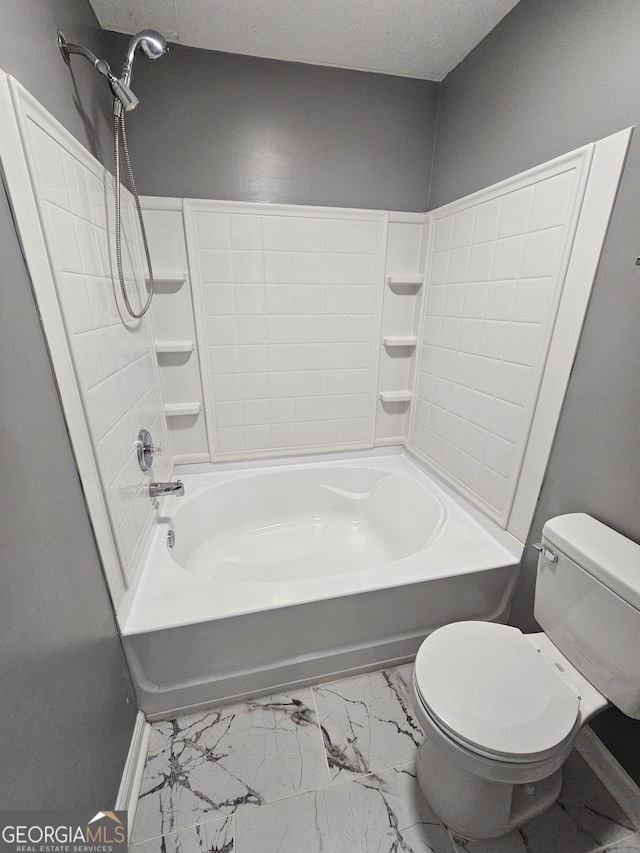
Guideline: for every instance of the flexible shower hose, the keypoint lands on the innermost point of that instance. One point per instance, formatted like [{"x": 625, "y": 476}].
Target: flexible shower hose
[{"x": 120, "y": 137}]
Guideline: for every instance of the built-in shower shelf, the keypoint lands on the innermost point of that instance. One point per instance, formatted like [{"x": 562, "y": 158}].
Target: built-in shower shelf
[
  {"x": 400, "y": 340},
  {"x": 175, "y": 410},
  {"x": 413, "y": 281},
  {"x": 175, "y": 279},
  {"x": 395, "y": 396},
  {"x": 174, "y": 346}
]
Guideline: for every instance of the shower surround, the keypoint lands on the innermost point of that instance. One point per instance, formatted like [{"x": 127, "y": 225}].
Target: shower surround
[{"x": 282, "y": 331}]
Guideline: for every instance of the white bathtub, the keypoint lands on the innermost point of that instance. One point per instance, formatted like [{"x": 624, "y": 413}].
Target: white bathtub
[{"x": 286, "y": 573}]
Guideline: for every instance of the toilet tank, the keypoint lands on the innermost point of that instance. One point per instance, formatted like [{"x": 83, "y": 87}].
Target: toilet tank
[{"x": 588, "y": 603}]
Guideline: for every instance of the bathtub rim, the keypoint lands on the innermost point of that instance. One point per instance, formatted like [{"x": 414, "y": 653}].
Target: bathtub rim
[{"x": 136, "y": 619}]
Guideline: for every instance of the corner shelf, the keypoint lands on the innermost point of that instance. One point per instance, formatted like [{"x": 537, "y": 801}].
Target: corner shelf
[
  {"x": 174, "y": 410},
  {"x": 177, "y": 279},
  {"x": 400, "y": 340},
  {"x": 395, "y": 396},
  {"x": 412, "y": 281},
  {"x": 173, "y": 346}
]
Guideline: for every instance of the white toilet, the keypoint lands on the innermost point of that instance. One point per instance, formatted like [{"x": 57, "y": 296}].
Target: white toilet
[{"x": 501, "y": 709}]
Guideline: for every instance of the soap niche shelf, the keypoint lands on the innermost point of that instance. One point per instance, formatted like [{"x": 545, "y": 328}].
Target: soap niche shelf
[
  {"x": 173, "y": 346},
  {"x": 403, "y": 341},
  {"x": 175, "y": 279},
  {"x": 405, "y": 282},
  {"x": 395, "y": 396},
  {"x": 176, "y": 410}
]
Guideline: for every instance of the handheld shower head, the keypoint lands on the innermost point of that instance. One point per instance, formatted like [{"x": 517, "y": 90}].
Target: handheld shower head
[
  {"x": 123, "y": 93},
  {"x": 123, "y": 96},
  {"x": 153, "y": 45}
]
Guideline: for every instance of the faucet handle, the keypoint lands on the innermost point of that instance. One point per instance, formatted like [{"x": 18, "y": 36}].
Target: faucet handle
[{"x": 146, "y": 449}]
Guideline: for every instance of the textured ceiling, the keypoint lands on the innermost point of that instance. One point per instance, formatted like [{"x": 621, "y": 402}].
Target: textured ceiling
[{"x": 410, "y": 38}]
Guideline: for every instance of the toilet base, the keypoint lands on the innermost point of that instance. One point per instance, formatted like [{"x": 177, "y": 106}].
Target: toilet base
[{"x": 475, "y": 807}]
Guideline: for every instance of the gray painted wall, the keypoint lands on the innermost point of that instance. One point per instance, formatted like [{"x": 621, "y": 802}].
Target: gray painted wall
[
  {"x": 550, "y": 78},
  {"x": 218, "y": 125},
  {"x": 77, "y": 96},
  {"x": 66, "y": 703}
]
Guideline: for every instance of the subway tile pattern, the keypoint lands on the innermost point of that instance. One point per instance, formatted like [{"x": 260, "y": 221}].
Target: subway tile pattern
[
  {"x": 112, "y": 354},
  {"x": 495, "y": 275},
  {"x": 330, "y": 769},
  {"x": 292, "y": 312}
]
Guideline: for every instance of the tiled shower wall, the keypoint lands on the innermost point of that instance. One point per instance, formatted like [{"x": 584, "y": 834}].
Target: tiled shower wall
[
  {"x": 496, "y": 271},
  {"x": 289, "y": 304},
  {"x": 112, "y": 356}
]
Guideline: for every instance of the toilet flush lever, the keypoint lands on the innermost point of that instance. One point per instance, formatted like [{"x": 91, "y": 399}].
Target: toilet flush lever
[{"x": 547, "y": 553}]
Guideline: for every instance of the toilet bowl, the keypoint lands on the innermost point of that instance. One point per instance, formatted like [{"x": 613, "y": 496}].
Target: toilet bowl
[{"x": 500, "y": 709}]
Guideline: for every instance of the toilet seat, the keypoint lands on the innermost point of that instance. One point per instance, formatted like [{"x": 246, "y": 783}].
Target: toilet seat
[{"x": 490, "y": 690}]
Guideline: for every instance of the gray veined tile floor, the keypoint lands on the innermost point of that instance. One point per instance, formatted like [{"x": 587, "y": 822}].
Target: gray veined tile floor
[{"x": 330, "y": 769}]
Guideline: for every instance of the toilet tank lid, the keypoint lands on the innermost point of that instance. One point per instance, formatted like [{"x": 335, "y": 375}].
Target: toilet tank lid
[{"x": 607, "y": 555}]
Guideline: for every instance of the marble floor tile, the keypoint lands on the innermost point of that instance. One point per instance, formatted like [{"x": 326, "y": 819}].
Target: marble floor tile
[
  {"x": 341, "y": 780},
  {"x": 380, "y": 813},
  {"x": 203, "y": 766},
  {"x": 216, "y": 836},
  {"x": 367, "y": 722},
  {"x": 584, "y": 820}
]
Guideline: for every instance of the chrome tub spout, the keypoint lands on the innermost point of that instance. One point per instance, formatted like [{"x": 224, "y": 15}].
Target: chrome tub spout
[{"x": 157, "y": 490}]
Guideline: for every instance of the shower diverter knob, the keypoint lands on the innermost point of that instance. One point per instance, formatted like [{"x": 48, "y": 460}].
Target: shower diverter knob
[{"x": 146, "y": 449}]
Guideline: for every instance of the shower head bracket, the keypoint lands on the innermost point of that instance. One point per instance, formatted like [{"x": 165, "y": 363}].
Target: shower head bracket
[{"x": 62, "y": 44}]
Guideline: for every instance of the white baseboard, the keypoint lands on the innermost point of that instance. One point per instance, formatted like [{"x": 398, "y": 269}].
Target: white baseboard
[
  {"x": 611, "y": 773},
  {"x": 129, "y": 790}
]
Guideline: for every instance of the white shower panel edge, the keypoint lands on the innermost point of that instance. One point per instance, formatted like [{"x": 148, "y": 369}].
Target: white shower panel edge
[
  {"x": 108, "y": 378},
  {"x": 17, "y": 177},
  {"x": 474, "y": 439}
]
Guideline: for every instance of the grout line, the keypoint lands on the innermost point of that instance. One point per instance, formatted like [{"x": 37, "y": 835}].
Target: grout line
[
  {"x": 234, "y": 833},
  {"x": 247, "y": 810},
  {"x": 324, "y": 751},
  {"x": 403, "y": 764},
  {"x": 176, "y": 832}
]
